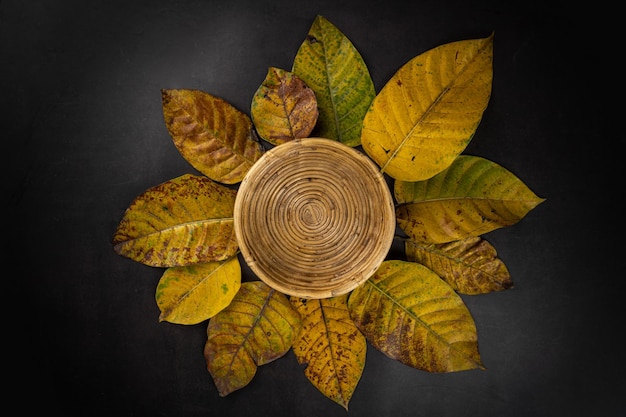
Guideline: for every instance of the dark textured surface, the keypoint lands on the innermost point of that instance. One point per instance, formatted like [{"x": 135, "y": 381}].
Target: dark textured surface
[{"x": 81, "y": 117}]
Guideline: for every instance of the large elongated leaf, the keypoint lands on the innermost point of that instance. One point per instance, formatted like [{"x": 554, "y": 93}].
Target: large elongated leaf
[
  {"x": 183, "y": 221},
  {"x": 211, "y": 134},
  {"x": 331, "y": 346},
  {"x": 407, "y": 312},
  {"x": 283, "y": 108},
  {"x": 329, "y": 63},
  {"x": 257, "y": 327},
  {"x": 472, "y": 197},
  {"x": 194, "y": 293},
  {"x": 427, "y": 113},
  {"x": 470, "y": 266}
]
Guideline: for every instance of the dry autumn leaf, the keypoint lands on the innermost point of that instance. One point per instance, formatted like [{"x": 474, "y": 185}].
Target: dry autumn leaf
[
  {"x": 331, "y": 346},
  {"x": 211, "y": 134},
  {"x": 183, "y": 221},
  {"x": 472, "y": 197},
  {"x": 194, "y": 293},
  {"x": 407, "y": 312},
  {"x": 329, "y": 63},
  {"x": 283, "y": 108},
  {"x": 257, "y": 327},
  {"x": 427, "y": 113},
  {"x": 470, "y": 266}
]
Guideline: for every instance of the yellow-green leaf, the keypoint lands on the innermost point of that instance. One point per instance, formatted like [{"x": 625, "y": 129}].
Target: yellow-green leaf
[
  {"x": 329, "y": 63},
  {"x": 183, "y": 221},
  {"x": 283, "y": 108},
  {"x": 211, "y": 134},
  {"x": 470, "y": 198},
  {"x": 407, "y": 312},
  {"x": 331, "y": 346},
  {"x": 258, "y": 326},
  {"x": 470, "y": 266},
  {"x": 427, "y": 113},
  {"x": 194, "y": 293}
]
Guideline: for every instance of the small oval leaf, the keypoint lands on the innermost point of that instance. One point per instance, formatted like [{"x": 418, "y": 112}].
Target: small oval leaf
[
  {"x": 470, "y": 266},
  {"x": 329, "y": 63},
  {"x": 407, "y": 312},
  {"x": 258, "y": 326},
  {"x": 184, "y": 221},
  {"x": 427, "y": 113},
  {"x": 283, "y": 108},
  {"x": 211, "y": 134},
  {"x": 470, "y": 198},
  {"x": 331, "y": 346},
  {"x": 194, "y": 293}
]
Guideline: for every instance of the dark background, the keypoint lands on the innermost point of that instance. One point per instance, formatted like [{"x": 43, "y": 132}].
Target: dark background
[{"x": 81, "y": 116}]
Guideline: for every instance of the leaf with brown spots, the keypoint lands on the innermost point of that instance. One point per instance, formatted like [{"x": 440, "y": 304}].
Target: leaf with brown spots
[
  {"x": 258, "y": 326},
  {"x": 331, "y": 65},
  {"x": 331, "y": 346},
  {"x": 211, "y": 134},
  {"x": 283, "y": 108},
  {"x": 180, "y": 222},
  {"x": 194, "y": 293},
  {"x": 471, "y": 197},
  {"x": 428, "y": 112},
  {"x": 407, "y": 312},
  {"x": 470, "y": 266}
]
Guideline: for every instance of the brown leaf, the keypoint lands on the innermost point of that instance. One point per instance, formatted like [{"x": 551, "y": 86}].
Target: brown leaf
[
  {"x": 180, "y": 222},
  {"x": 283, "y": 108},
  {"x": 407, "y": 312},
  {"x": 257, "y": 327},
  {"x": 331, "y": 346},
  {"x": 470, "y": 266},
  {"x": 211, "y": 134}
]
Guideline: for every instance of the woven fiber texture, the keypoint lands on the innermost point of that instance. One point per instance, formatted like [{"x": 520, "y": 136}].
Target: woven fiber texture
[{"x": 314, "y": 218}]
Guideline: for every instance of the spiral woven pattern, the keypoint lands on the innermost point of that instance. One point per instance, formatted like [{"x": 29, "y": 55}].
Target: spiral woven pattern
[{"x": 314, "y": 218}]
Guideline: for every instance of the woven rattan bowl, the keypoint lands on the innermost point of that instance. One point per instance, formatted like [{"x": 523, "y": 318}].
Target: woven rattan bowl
[{"x": 314, "y": 218}]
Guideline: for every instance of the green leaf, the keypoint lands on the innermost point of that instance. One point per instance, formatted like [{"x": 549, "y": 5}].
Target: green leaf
[
  {"x": 329, "y": 63},
  {"x": 194, "y": 293},
  {"x": 331, "y": 346},
  {"x": 470, "y": 266},
  {"x": 472, "y": 197},
  {"x": 211, "y": 134},
  {"x": 283, "y": 108},
  {"x": 407, "y": 312},
  {"x": 258, "y": 326},
  {"x": 183, "y": 221},
  {"x": 427, "y": 113}
]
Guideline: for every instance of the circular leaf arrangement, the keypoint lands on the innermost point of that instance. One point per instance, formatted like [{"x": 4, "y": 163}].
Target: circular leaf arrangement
[
  {"x": 314, "y": 218},
  {"x": 310, "y": 191}
]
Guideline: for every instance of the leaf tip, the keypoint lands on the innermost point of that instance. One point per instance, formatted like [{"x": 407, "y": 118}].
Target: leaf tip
[{"x": 538, "y": 201}]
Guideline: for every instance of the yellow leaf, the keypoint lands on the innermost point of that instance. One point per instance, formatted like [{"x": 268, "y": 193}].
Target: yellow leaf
[
  {"x": 470, "y": 266},
  {"x": 183, "y": 221},
  {"x": 194, "y": 293},
  {"x": 470, "y": 198},
  {"x": 211, "y": 134},
  {"x": 407, "y": 312},
  {"x": 257, "y": 327},
  {"x": 427, "y": 113},
  {"x": 283, "y": 108},
  {"x": 329, "y": 63},
  {"x": 331, "y": 346}
]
